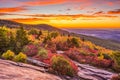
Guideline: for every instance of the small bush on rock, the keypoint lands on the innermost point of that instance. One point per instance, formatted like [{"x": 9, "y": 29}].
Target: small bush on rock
[
  {"x": 21, "y": 57},
  {"x": 8, "y": 55},
  {"x": 43, "y": 53},
  {"x": 63, "y": 66}
]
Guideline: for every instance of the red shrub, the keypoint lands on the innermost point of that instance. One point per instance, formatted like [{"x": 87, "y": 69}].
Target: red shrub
[
  {"x": 85, "y": 56},
  {"x": 102, "y": 62},
  {"x": 50, "y": 55},
  {"x": 73, "y": 54},
  {"x": 30, "y": 50},
  {"x": 93, "y": 51},
  {"x": 116, "y": 77},
  {"x": 61, "y": 46}
]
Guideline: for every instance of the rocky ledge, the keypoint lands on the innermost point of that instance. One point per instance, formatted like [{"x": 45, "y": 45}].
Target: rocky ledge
[{"x": 10, "y": 70}]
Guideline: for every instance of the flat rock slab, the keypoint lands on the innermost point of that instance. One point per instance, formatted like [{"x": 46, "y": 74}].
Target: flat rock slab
[
  {"x": 92, "y": 73},
  {"x": 13, "y": 71}
]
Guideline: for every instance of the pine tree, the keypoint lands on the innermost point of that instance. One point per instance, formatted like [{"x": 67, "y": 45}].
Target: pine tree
[
  {"x": 39, "y": 34},
  {"x": 12, "y": 42},
  {"x": 21, "y": 39},
  {"x": 4, "y": 40}
]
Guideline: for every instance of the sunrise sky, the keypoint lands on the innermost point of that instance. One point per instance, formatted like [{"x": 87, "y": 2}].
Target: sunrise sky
[{"x": 63, "y": 13}]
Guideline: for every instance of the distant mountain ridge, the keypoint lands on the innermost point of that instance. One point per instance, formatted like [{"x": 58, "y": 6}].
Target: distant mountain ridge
[
  {"x": 107, "y": 33},
  {"x": 13, "y": 24},
  {"x": 109, "y": 44}
]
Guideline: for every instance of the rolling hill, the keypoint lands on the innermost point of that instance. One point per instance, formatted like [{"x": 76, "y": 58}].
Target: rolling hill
[
  {"x": 12, "y": 24},
  {"x": 109, "y": 44}
]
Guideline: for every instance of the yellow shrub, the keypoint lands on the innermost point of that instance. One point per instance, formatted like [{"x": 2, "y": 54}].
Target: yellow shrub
[
  {"x": 43, "y": 53},
  {"x": 8, "y": 55},
  {"x": 21, "y": 57},
  {"x": 101, "y": 57}
]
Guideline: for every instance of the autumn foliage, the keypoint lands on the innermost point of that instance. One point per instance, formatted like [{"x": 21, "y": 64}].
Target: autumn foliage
[
  {"x": 8, "y": 55},
  {"x": 43, "y": 46},
  {"x": 63, "y": 66},
  {"x": 85, "y": 56}
]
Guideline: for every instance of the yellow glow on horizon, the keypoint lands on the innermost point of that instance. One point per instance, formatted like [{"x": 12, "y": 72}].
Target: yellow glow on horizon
[{"x": 68, "y": 22}]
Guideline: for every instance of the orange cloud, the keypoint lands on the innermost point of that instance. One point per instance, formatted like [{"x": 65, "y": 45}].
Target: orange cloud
[
  {"x": 31, "y": 20},
  {"x": 45, "y": 2},
  {"x": 26, "y": 19},
  {"x": 117, "y": 11},
  {"x": 99, "y": 12},
  {"x": 72, "y": 15},
  {"x": 12, "y": 9},
  {"x": 52, "y": 2},
  {"x": 63, "y": 16}
]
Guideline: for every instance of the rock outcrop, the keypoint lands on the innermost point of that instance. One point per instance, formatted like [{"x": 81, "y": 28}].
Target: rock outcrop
[
  {"x": 10, "y": 70},
  {"x": 88, "y": 72}
]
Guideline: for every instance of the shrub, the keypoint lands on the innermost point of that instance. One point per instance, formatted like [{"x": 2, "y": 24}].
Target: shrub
[
  {"x": 47, "y": 39},
  {"x": 116, "y": 77},
  {"x": 63, "y": 66},
  {"x": 8, "y": 55},
  {"x": 21, "y": 57},
  {"x": 73, "y": 42},
  {"x": 31, "y": 50},
  {"x": 21, "y": 39},
  {"x": 116, "y": 58},
  {"x": 43, "y": 53},
  {"x": 83, "y": 52},
  {"x": 106, "y": 56},
  {"x": 39, "y": 34},
  {"x": 61, "y": 46},
  {"x": 54, "y": 34},
  {"x": 51, "y": 46},
  {"x": 101, "y": 62},
  {"x": 50, "y": 55},
  {"x": 71, "y": 53},
  {"x": 33, "y": 32},
  {"x": 4, "y": 39},
  {"x": 100, "y": 56}
]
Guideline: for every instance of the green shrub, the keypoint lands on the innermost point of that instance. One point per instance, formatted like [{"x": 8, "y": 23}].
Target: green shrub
[
  {"x": 39, "y": 34},
  {"x": 21, "y": 39},
  {"x": 33, "y": 32},
  {"x": 42, "y": 53},
  {"x": 106, "y": 56},
  {"x": 75, "y": 42},
  {"x": 4, "y": 39},
  {"x": 21, "y": 57},
  {"x": 116, "y": 58},
  {"x": 54, "y": 34},
  {"x": 47, "y": 39},
  {"x": 63, "y": 66},
  {"x": 8, "y": 55}
]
